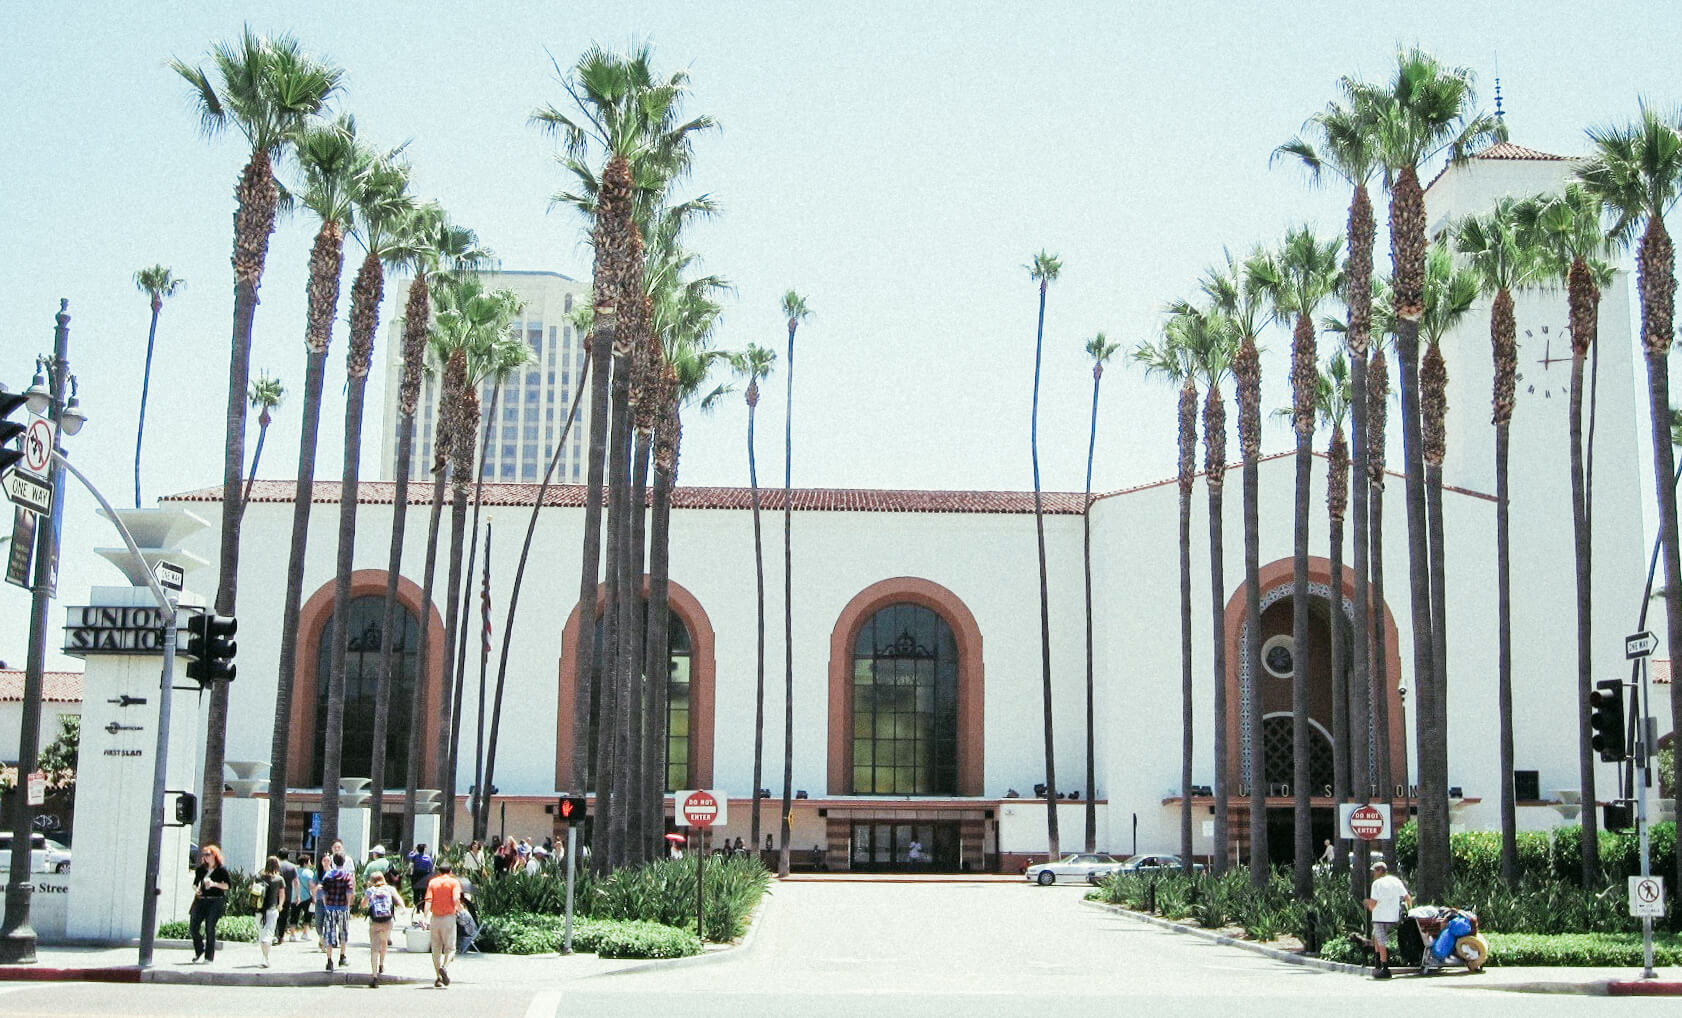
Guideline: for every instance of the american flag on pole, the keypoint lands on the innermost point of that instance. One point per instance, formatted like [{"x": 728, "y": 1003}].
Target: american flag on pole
[{"x": 486, "y": 589}]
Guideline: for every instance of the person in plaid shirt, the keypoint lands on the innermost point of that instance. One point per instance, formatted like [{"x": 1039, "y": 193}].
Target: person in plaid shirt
[{"x": 333, "y": 890}]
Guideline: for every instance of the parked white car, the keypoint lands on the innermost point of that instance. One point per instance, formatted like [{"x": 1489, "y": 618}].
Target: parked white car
[
  {"x": 1087, "y": 866},
  {"x": 1159, "y": 863},
  {"x": 46, "y": 855}
]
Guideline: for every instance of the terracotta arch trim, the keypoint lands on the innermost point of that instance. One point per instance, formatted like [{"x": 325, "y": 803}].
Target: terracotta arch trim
[
  {"x": 702, "y": 671},
  {"x": 1280, "y": 572},
  {"x": 312, "y": 626},
  {"x": 971, "y": 676}
]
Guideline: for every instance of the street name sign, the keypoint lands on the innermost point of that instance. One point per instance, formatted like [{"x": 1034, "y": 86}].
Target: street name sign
[
  {"x": 1646, "y": 896},
  {"x": 701, "y": 807},
  {"x": 1642, "y": 644},
  {"x": 1365, "y": 821},
  {"x": 37, "y": 788},
  {"x": 31, "y": 493}
]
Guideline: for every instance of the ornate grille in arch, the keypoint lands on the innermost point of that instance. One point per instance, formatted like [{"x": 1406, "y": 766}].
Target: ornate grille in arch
[
  {"x": 905, "y": 704},
  {"x": 362, "y": 674},
  {"x": 1280, "y": 748},
  {"x": 1322, "y": 592}
]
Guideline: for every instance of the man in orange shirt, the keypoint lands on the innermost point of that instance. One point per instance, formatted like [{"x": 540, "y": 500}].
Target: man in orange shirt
[{"x": 443, "y": 897}]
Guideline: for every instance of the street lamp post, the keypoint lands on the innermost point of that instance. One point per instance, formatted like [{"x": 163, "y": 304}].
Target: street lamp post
[{"x": 17, "y": 936}]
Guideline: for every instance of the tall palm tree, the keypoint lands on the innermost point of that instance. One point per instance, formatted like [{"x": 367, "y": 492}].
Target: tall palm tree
[
  {"x": 1100, "y": 349},
  {"x": 1378, "y": 413},
  {"x": 1636, "y": 172},
  {"x": 265, "y": 395},
  {"x": 450, "y": 250},
  {"x": 1424, "y": 110},
  {"x": 1297, "y": 279},
  {"x": 630, "y": 116},
  {"x": 756, "y": 362},
  {"x": 1043, "y": 269},
  {"x": 383, "y": 209},
  {"x": 267, "y": 89},
  {"x": 1237, "y": 290},
  {"x": 1565, "y": 230},
  {"x": 331, "y": 163},
  {"x": 795, "y": 311},
  {"x": 1502, "y": 255},
  {"x": 1339, "y": 141},
  {"x": 156, "y": 283},
  {"x": 1172, "y": 358}
]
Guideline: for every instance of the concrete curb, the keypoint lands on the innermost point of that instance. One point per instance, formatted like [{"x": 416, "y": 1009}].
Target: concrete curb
[
  {"x": 715, "y": 952},
  {"x": 211, "y": 977},
  {"x": 1276, "y": 954}
]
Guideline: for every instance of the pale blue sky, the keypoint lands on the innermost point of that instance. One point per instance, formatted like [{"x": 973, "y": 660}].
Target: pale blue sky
[{"x": 896, "y": 163}]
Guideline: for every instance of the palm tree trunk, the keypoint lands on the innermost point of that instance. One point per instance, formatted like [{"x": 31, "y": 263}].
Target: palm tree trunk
[
  {"x": 514, "y": 592},
  {"x": 1360, "y": 237},
  {"x": 1214, "y": 443},
  {"x": 1504, "y": 652},
  {"x": 657, "y": 650},
  {"x": 1188, "y": 719},
  {"x": 1341, "y": 757},
  {"x": 391, "y": 626},
  {"x": 1658, "y": 395},
  {"x": 1303, "y": 831},
  {"x": 1259, "y": 852},
  {"x": 1091, "y": 842},
  {"x": 1433, "y": 806},
  {"x": 482, "y": 789},
  {"x": 315, "y": 372},
  {"x": 453, "y": 750},
  {"x": 759, "y": 644},
  {"x": 1377, "y": 404},
  {"x": 449, "y": 708},
  {"x": 1052, "y": 848},
  {"x": 256, "y": 455},
  {"x": 1437, "y": 723},
  {"x": 584, "y": 675},
  {"x": 253, "y": 224},
  {"x": 365, "y": 297},
  {"x": 633, "y": 653},
  {"x": 621, "y": 601},
  {"x": 417, "y": 705},
  {"x": 145, "y": 387},
  {"x": 1583, "y": 546},
  {"x": 788, "y": 610}
]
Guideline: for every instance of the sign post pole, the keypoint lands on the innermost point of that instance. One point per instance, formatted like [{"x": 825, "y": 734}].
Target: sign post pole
[
  {"x": 700, "y": 883},
  {"x": 1640, "y": 647},
  {"x": 572, "y": 870}
]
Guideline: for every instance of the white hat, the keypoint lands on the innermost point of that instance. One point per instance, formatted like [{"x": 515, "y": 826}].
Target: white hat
[{"x": 377, "y": 850}]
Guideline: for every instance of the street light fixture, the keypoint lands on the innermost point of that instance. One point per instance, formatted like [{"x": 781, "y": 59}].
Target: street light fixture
[
  {"x": 72, "y": 419},
  {"x": 40, "y": 397}
]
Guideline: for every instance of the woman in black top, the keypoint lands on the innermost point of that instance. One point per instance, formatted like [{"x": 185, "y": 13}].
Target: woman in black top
[{"x": 210, "y": 882}]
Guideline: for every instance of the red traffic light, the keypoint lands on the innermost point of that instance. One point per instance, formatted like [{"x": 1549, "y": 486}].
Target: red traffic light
[{"x": 572, "y": 808}]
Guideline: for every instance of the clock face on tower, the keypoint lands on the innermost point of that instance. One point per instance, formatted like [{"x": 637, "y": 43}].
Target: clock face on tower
[{"x": 1545, "y": 373}]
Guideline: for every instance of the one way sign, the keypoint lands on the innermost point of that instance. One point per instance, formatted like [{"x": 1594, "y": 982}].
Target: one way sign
[{"x": 1642, "y": 644}]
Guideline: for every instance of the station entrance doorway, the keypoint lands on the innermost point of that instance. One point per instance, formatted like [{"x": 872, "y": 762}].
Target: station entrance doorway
[{"x": 905, "y": 846}]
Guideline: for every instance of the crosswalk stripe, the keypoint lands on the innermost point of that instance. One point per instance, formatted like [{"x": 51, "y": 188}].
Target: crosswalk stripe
[{"x": 544, "y": 1005}]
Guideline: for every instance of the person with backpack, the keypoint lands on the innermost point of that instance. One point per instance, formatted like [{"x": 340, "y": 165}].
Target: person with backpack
[
  {"x": 289, "y": 893},
  {"x": 334, "y": 888},
  {"x": 420, "y": 871},
  {"x": 382, "y": 902}
]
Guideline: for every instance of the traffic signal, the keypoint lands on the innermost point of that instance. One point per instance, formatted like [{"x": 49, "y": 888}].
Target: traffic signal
[
  {"x": 10, "y": 402},
  {"x": 572, "y": 808},
  {"x": 1606, "y": 718},
  {"x": 210, "y": 643},
  {"x": 186, "y": 808}
]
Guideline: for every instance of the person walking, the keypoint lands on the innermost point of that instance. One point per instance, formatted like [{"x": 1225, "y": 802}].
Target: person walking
[
  {"x": 272, "y": 906},
  {"x": 420, "y": 871},
  {"x": 334, "y": 892},
  {"x": 382, "y": 902},
  {"x": 210, "y": 890},
  {"x": 443, "y": 897},
  {"x": 289, "y": 893},
  {"x": 1389, "y": 894},
  {"x": 377, "y": 863},
  {"x": 302, "y": 904}
]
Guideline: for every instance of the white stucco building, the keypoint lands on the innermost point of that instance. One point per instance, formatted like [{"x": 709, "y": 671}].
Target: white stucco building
[{"x": 917, "y": 691}]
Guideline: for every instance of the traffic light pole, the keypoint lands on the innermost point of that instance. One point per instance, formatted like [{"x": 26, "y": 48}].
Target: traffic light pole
[
  {"x": 1644, "y": 749},
  {"x": 572, "y": 870},
  {"x": 160, "y": 755}
]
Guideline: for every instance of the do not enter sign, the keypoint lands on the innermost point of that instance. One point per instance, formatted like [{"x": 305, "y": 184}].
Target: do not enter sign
[
  {"x": 1364, "y": 821},
  {"x": 701, "y": 807}
]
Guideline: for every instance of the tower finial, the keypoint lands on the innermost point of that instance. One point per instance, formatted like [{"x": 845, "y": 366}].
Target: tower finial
[{"x": 1499, "y": 113}]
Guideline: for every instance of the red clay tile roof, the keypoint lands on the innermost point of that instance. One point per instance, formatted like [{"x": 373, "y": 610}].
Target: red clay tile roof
[
  {"x": 1062, "y": 503},
  {"x": 1268, "y": 458},
  {"x": 56, "y": 687},
  {"x": 1507, "y": 150}
]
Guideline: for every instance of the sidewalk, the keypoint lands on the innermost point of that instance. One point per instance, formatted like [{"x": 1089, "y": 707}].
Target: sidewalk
[
  {"x": 295, "y": 963},
  {"x": 1602, "y": 982}
]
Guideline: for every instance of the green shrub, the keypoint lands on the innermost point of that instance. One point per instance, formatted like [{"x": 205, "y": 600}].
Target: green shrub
[
  {"x": 646, "y": 940},
  {"x": 239, "y": 929},
  {"x": 543, "y": 892},
  {"x": 1580, "y": 949},
  {"x": 664, "y": 892}
]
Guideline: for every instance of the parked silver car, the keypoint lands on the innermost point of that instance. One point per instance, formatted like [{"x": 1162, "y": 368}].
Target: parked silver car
[
  {"x": 1088, "y": 866},
  {"x": 46, "y": 855},
  {"x": 1156, "y": 863}
]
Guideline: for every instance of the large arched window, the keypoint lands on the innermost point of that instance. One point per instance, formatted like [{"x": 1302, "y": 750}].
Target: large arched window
[
  {"x": 362, "y": 672},
  {"x": 1279, "y": 744},
  {"x": 678, "y": 703},
  {"x": 905, "y": 704}
]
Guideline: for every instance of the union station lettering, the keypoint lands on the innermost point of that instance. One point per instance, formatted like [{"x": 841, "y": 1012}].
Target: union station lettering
[{"x": 97, "y": 629}]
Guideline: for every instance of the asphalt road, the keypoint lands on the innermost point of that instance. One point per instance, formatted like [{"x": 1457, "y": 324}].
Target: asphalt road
[{"x": 881, "y": 950}]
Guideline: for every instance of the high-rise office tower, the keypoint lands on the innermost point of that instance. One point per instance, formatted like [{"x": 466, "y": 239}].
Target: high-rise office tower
[{"x": 532, "y": 408}]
